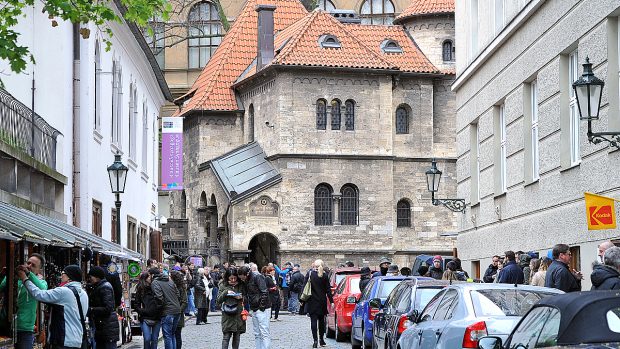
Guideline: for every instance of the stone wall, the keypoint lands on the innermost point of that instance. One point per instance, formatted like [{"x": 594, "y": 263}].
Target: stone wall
[{"x": 429, "y": 32}]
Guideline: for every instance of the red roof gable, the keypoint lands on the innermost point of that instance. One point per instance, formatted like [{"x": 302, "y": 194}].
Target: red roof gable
[{"x": 426, "y": 7}]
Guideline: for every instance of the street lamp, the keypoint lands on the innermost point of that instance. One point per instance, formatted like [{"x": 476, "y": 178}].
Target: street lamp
[
  {"x": 118, "y": 177},
  {"x": 433, "y": 178},
  {"x": 588, "y": 91}
]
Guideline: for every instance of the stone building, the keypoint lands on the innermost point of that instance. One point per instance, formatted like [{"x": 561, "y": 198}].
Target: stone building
[
  {"x": 314, "y": 142},
  {"x": 524, "y": 161}
]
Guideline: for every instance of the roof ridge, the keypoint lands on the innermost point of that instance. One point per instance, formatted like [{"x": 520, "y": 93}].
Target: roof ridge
[
  {"x": 288, "y": 48},
  {"x": 374, "y": 53}
]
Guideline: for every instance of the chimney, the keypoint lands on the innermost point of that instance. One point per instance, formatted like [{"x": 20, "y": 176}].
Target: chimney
[{"x": 265, "y": 54}]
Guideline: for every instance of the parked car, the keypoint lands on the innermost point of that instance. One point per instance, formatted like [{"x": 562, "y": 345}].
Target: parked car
[
  {"x": 338, "y": 274},
  {"x": 339, "y": 317},
  {"x": 462, "y": 313},
  {"x": 425, "y": 259},
  {"x": 395, "y": 316},
  {"x": 572, "y": 320},
  {"x": 361, "y": 321}
]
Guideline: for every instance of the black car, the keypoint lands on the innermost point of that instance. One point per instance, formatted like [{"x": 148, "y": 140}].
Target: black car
[
  {"x": 398, "y": 310},
  {"x": 572, "y": 320}
]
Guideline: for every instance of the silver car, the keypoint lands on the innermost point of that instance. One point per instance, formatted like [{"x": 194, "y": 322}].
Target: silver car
[{"x": 462, "y": 313}]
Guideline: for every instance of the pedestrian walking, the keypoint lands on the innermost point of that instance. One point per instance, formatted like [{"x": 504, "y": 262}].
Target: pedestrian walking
[
  {"x": 539, "y": 277},
  {"x": 257, "y": 296},
  {"x": 316, "y": 306},
  {"x": 559, "y": 274},
  {"x": 149, "y": 311},
  {"x": 491, "y": 270},
  {"x": 435, "y": 271},
  {"x": 274, "y": 293},
  {"x": 101, "y": 311},
  {"x": 364, "y": 278},
  {"x": 67, "y": 328},
  {"x": 202, "y": 297},
  {"x": 230, "y": 300},
  {"x": 190, "y": 310},
  {"x": 607, "y": 276},
  {"x": 215, "y": 277},
  {"x": 167, "y": 294},
  {"x": 113, "y": 278},
  {"x": 27, "y": 305},
  {"x": 384, "y": 264},
  {"x": 511, "y": 273},
  {"x": 296, "y": 286},
  {"x": 179, "y": 281}
]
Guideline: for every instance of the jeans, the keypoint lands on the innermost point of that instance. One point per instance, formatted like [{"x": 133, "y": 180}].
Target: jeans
[
  {"x": 214, "y": 298},
  {"x": 260, "y": 322},
  {"x": 293, "y": 302},
  {"x": 191, "y": 306},
  {"x": 25, "y": 340},
  {"x": 169, "y": 325},
  {"x": 320, "y": 321},
  {"x": 236, "y": 338},
  {"x": 150, "y": 334},
  {"x": 178, "y": 337},
  {"x": 106, "y": 344}
]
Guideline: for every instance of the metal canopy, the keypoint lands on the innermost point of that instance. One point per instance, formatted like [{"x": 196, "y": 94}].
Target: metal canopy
[{"x": 244, "y": 172}]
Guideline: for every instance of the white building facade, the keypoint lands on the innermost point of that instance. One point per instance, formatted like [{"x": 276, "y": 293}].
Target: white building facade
[
  {"x": 103, "y": 103},
  {"x": 524, "y": 161}
]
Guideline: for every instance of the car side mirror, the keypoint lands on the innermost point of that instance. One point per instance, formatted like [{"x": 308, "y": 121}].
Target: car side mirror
[
  {"x": 490, "y": 342},
  {"x": 413, "y": 316},
  {"x": 375, "y": 303}
]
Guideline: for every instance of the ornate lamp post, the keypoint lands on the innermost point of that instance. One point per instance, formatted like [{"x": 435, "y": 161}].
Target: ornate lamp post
[
  {"x": 118, "y": 177},
  {"x": 433, "y": 178},
  {"x": 588, "y": 91}
]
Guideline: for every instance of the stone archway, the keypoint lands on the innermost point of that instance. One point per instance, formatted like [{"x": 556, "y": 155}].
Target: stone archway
[{"x": 264, "y": 249}]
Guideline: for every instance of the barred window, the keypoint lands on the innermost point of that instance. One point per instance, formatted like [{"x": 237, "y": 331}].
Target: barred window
[
  {"x": 403, "y": 213},
  {"x": 323, "y": 205},
  {"x": 402, "y": 120},
  {"x": 349, "y": 116},
  {"x": 447, "y": 51},
  {"x": 321, "y": 114},
  {"x": 349, "y": 205},
  {"x": 335, "y": 114}
]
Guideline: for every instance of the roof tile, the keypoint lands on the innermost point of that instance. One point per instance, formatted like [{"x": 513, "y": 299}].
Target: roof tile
[{"x": 426, "y": 7}]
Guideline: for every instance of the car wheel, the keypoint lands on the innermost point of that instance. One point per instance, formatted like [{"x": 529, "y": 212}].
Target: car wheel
[
  {"x": 340, "y": 337},
  {"x": 365, "y": 343}
]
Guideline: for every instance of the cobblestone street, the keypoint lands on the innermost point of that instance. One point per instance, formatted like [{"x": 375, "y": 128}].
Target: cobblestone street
[{"x": 291, "y": 332}]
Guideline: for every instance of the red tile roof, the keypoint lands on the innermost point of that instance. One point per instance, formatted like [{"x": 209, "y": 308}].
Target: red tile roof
[
  {"x": 212, "y": 90},
  {"x": 426, "y": 7}
]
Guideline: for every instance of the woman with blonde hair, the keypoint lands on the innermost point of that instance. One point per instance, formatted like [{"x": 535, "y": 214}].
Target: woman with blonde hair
[
  {"x": 316, "y": 306},
  {"x": 539, "y": 277}
]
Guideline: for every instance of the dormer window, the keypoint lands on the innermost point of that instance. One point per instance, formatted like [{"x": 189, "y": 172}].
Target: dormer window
[
  {"x": 391, "y": 46},
  {"x": 329, "y": 41}
]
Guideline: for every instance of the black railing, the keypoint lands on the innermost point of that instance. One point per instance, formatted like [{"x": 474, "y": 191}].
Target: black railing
[{"x": 17, "y": 129}]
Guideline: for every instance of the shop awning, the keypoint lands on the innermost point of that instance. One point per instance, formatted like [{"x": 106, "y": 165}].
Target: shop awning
[{"x": 29, "y": 226}]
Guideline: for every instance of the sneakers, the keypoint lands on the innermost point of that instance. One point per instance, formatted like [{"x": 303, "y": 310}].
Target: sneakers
[
  {"x": 273, "y": 320},
  {"x": 322, "y": 342},
  {"x": 315, "y": 345}
]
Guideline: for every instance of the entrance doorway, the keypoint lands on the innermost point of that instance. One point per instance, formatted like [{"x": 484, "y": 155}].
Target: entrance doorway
[{"x": 264, "y": 248}]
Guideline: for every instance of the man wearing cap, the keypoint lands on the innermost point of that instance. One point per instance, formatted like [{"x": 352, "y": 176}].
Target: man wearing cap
[
  {"x": 101, "y": 311},
  {"x": 435, "y": 271},
  {"x": 392, "y": 270},
  {"x": 384, "y": 264},
  {"x": 364, "y": 278},
  {"x": 66, "y": 327}
]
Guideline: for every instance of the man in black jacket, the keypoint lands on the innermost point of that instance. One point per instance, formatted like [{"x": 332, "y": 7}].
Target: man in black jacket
[
  {"x": 559, "y": 275},
  {"x": 257, "y": 296},
  {"x": 606, "y": 276},
  {"x": 101, "y": 310},
  {"x": 364, "y": 278},
  {"x": 113, "y": 279},
  {"x": 491, "y": 271},
  {"x": 512, "y": 273},
  {"x": 296, "y": 287},
  {"x": 167, "y": 296}
]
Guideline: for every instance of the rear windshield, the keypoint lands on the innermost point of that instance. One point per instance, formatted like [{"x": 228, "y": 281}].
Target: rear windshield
[
  {"x": 354, "y": 285},
  {"x": 385, "y": 287},
  {"x": 505, "y": 302},
  {"x": 343, "y": 274},
  {"x": 423, "y": 296}
]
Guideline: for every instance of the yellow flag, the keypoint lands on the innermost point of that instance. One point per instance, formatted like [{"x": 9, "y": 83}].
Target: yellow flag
[{"x": 600, "y": 212}]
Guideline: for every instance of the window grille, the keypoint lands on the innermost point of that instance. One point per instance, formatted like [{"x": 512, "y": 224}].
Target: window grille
[
  {"x": 349, "y": 205},
  {"x": 403, "y": 214},
  {"x": 402, "y": 120},
  {"x": 323, "y": 205},
  {"x": 336, "y": 114},
  {"x": 321, "y": 115},
  {"x": 349, "y": 115}
]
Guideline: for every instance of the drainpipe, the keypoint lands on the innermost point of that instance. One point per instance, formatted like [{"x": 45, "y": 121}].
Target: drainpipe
[{"x": 76, "y": 126}]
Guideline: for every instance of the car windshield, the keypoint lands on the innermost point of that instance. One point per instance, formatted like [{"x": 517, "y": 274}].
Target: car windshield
[
  {"x": 354, "y": 285},
  {"x": 424, "y": 295},
  {"x": 505, "y": 302},
  {"x": 386, "y": 287}
]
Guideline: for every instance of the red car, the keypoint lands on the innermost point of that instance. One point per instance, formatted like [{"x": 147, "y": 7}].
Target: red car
[
  {"x": 339, "y": 317},
  {"x": 339, "y": 273}
]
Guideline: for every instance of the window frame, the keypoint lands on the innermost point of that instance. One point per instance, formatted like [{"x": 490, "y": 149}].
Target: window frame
[
  {"x": 535, "y": 130},
  {"x": 450, "y": 51},
  {"x": 97, "y": 216},
  {"x": 503, "y": 183},
  {"x": 336, "y": 114},
  {"x": 349, "y": 205},
  {"x": 401, "y": 210},
  {"x": 97, "y": 121},
  {"x": 145, "y": 136},
  {"x": 321, "y": 114},
  {"x": 349, "y": 115},
  {"x": 326, "y": 5},
  {"x": 573, "y": 75},
  {"x": 375, "y": 17},
  {"x": 204, "y": 28},
  {"x": 399, "y": 125},
  {"x": 326, "y": 217}
]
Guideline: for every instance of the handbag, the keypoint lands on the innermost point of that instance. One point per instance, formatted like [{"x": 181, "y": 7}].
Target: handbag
[
  {"x": 230, "y": 309},
  {"x": 244, "y": 313},
  {"x": 85, "y": 335},
  {"x": 307, "y": 293}
]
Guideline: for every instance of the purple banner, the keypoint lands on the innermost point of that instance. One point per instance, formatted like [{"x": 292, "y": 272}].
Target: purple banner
[{"x": 172, "y": 153}]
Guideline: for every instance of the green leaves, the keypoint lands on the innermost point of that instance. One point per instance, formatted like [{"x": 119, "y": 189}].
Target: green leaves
[{"x": 98, "y": 12}]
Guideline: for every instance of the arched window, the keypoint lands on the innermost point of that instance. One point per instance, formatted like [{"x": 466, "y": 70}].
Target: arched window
[
  {"x": 402, "y": 120},
  {"x": 183, "y": 205},
  {"x": 326, "y": 5},
  {"x": 203, "y": 200},
  {"x": 335, "y": 114},
  {"x": 349, "y": 205},
  {"x": 377, "y": 12},
  {"x": 97, "y": 124},
  {"x": 117, "y": 102},
  {"x": 251, "y": 123},
  {"x": 321, "y": 114},
  {"x": 403, "y": 213},
  {"x": 323, "y": 205},
  {"x": 205, "y": 33},
  {"x": 447, "y": 50},
  {"x": 349, "y": 115}
]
